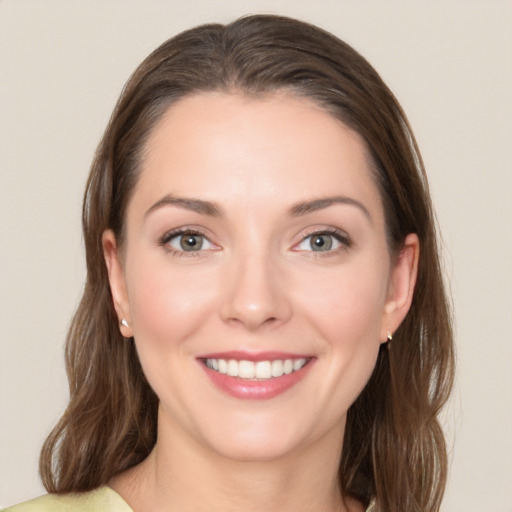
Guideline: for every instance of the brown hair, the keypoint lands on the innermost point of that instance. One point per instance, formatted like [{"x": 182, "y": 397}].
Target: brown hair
[{"x": 394, "y": 449}]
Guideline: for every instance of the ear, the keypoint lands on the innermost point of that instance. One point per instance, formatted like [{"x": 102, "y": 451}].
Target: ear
[
  {"x": 117, "y": 282},
  {"x": 401, "y": 286}
]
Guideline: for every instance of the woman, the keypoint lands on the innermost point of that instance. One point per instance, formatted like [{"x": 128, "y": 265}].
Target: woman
[{"x": 264, "y": 323}]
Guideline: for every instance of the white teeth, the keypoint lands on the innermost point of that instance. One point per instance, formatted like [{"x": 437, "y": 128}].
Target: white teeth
[
  {"x": 277, "y": 368},
  {"x": 246, "y": 369},
  {"x": 232, "y": 368},
  {"x": 297, "y": 364},
  {"x": 223, "y": 365},
  {"x": 261, "y": 370}
]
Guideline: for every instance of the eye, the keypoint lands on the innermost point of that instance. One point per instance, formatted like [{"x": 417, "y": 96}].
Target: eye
[
  {"x": 186, "y": 241},
  {"x": 324, "y": 241}
]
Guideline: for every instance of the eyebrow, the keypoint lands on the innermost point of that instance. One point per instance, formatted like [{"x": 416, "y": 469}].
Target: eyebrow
[
  {"x": 305, "y": 207},
  {"x": 213, "y": 210},
  {"x": 187, "y": 203}
]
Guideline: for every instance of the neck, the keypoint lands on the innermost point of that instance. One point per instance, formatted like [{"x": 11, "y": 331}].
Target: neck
[{"x": 182, "y": 475}]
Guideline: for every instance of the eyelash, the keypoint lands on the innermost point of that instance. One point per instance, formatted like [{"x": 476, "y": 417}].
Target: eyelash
[{"x": 339, "y": 236}]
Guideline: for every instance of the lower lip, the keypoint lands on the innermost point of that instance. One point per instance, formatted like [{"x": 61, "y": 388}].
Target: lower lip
[{"x": 256, "y": 389}]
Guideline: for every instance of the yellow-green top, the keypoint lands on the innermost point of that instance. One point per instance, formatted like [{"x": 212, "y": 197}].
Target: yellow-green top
[{"x": 103, "y": 499}]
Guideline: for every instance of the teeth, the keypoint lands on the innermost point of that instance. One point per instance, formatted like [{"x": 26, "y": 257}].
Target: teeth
[
  {"x": 288, "y": 366},
  {"x": 277, "y": 368},
  {"x": 222, "y": 364},
  {"x": 262, "y": 370},
  {"x": 245, "y": 369},
  {"x": 297, "y": 364},
  {"x": 233, "y": 368}
]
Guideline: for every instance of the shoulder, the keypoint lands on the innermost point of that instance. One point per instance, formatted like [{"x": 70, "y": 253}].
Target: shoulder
[{"x": 104, "y": 499}]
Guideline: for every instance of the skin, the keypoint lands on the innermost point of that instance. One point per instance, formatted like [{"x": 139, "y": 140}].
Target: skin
[{"x": 256, "y": 285}]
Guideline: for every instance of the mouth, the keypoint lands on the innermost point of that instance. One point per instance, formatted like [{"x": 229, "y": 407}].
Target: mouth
[
  {"x": 256, "y": 370},
  {"x": 260, "y": 376}
]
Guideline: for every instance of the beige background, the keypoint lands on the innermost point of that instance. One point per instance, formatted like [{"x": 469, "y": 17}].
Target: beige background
[{"x": 62, "y": 65}]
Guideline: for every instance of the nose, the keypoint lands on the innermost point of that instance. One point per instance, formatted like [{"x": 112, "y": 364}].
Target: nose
[{"x": 255, "y": 294}]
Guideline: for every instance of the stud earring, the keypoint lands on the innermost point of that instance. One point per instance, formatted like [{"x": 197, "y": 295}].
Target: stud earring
[{"x": 124, "y": 322}]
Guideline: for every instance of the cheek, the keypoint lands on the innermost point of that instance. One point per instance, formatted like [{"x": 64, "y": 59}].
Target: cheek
[
  {"x": 168, "y": 305},
  {"x": 347, "y": 304},
  {"x": 348, "y": 316}
]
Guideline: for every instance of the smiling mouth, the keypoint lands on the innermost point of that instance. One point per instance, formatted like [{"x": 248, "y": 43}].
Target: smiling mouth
[{"x": 256, "y": 371}]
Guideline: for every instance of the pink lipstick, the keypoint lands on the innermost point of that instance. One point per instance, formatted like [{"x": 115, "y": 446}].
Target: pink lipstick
[{"x": 256, "y": 376}]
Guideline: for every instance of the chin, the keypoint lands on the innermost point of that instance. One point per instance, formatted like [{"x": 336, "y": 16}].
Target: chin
[
  {"x": 266, "y": 438},
  {"x": 250, "y": 450}
]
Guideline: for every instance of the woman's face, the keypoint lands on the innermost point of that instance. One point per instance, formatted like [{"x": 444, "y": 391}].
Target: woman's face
[{"x": 255, "y": 274}]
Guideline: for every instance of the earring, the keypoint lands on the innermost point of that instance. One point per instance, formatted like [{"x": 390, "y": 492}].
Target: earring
[
  {"x": 124, "y": 322},
  {"x": 389, "y": 338}
]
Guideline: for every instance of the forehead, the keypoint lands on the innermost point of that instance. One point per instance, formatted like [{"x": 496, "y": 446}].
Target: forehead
[{"x": 271, "y": 149}]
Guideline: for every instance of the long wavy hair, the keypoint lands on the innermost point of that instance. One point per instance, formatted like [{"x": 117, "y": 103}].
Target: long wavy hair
[{"x": 394, "y": 450}]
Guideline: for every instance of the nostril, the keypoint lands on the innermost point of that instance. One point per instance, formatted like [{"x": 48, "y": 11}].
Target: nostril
[{"x": 252, "y": 321}]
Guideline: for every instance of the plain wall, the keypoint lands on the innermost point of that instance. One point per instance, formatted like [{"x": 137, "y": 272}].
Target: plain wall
[{"x": 62, "y": 66}]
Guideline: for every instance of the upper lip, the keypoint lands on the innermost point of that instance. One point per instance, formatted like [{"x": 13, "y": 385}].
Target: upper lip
[{"x": 240, "y": 355}]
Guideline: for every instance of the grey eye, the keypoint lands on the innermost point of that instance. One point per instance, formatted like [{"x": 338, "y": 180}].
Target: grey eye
[
  {"x": 189, "y": 242},
  {"x": 319, "y": 242}
]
